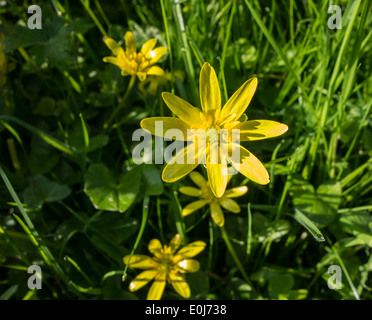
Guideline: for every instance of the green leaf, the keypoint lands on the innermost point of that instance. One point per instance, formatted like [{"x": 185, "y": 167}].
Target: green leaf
[
  {"x": 152, "y": 178},
  {"x": 280, "y": 283},
  {"x": 239, "y": 289},
  {"x": 320, "y": 206},
  {"x": 294, "y": 295},
  {"x": 105, "y": 193},
  {"x": 309, "y": 225},
  {"x": 42, "y": 190},
  {"x": 356, "y": 222}
]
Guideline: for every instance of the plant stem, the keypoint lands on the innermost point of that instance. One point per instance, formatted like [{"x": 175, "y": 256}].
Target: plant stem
[
  {"x": 235, "y": 257},
  {"x": 121, "y": 104}
]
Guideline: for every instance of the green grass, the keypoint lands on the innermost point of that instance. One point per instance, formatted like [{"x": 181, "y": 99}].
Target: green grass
[{"x": 59, "y": 96}]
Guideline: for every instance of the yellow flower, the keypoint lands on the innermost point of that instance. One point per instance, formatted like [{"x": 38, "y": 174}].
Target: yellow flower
[
  {"x": 132, "y": 63},
  {"x": 159, "y": 81},
  {"x": 208, "y": 197},
  {"x": 3, "y": 61},
  {"x": 167, "y": 265},
  {"x": 230, "y": 117}
]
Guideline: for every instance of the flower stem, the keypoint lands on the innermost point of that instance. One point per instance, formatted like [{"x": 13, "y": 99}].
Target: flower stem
[
  {"x": 121, "y": 104},
  {"x": 235, "y": 257}
]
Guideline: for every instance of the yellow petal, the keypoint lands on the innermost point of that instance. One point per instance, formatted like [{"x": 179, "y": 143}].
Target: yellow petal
[
  {"x": 229, "y": 204},
  {"x": 250, "y": 166},
  {"x": 116, "y": 61},
  {"x": 113, "y": 46},
  {"x": 238, "y": 102},
  {"x": 217, "y": 172},
  {"x": 236, "y": 192},
  {"x": 155, "y": 247},
  {"x": 190, "y": 250},
  {"x": 130, "y": 44},
  {"x": 260, "y": 129},
  {"x": 141, "y": 76},
  {"x": 190, "y": 191},
  {"x": 209, "y": 89},
  {"x": 168, "y": 123},
  {"x": 217, "y": 215},
  {"x": 156, "y": 54},
  {"x": 141, "y": 261},
  {"x": 181, "y": 108},
  {"x": 175, "y": 243},
  {"x": 193, "y": 206},
  {"x": 188, "y": 265},
  {"x": 197, "y": 178},
  {"x": 157, "y": 288},
  {"x": 154, "y": 70},
  {"x": 180, "y": 285},
  {"x": 148, "y": 46},
  {"x": 142, "y": 279},
  {"x": 175, "y": 169}
]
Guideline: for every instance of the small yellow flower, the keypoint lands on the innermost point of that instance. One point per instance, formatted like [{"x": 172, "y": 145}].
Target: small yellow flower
[
  {"x": 159, "y": 81},
  {"x": 208, "y": 197},
  {"x": 132, "y": 63},
  {"x": 167, "y": 265},
  {"x": 3, "y": 61},
  {"x": 230, "y": 117}
]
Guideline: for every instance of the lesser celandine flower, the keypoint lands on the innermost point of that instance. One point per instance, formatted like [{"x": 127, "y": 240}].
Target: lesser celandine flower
[
  {"x": 230, "y": 117},
  {"x": 167, "y": 265},
  {"x": 3, "y": 61},
  {"x": 132, "y": 63},
  {"x": 207, "y": 197}
]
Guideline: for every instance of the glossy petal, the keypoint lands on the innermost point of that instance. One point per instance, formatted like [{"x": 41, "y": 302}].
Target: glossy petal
[
  {"x": 209, "y": 89},
  {"x": 217, "y": 215},
  {"x": 193, "y": 206},
  {"x": 238, "y": 102},
  {"x": 113, "y": 46},
  {"x": 229, "y": 204},
  {"x": 190, "y": 191},
  {"x": 191, "y": 250},
  {"x": 175, "y": 243},
  {"x": 156, "y": 54},
  {"x": 148, "y": 46},
  {"x": 116, "y": 61},
  {"x": 157, "y": 288},
  {"x": 182, "y": 109},
  {"x": 130, "y": 44},
  {"x": 180, "y": 285},
  {"x": 141, "y": 261},
  {"x": 197, "y": 178},
  {"x": 217, "y": 172},
  {"x": 260, "y": 129},
  {"x": 155, "y": 247},
  {"x": 236, "y": 192},
  {"x": 175, "y": 170},
  {"x": 168, "y": 124},
  {"x": 250, "y": 166},
  {"x": 155, "y": 71},
  {"x": 142, "y": 279},
  {"x": 188, "y": 265}
]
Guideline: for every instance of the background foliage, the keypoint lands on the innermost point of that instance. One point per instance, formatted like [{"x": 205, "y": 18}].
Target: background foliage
[{"x": 72, "y": 201}]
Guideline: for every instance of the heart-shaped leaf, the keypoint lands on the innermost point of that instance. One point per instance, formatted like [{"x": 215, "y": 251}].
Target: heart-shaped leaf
[
  {"x": 106, "y": 193},
  {"x": 319, "y": 206}
]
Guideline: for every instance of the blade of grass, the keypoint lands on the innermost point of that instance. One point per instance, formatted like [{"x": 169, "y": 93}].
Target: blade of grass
[{"x": 145, "y": 213}]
